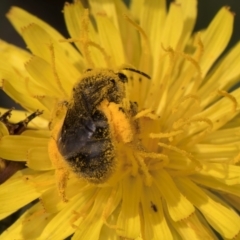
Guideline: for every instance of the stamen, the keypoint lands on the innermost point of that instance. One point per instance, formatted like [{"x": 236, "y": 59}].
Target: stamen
[
  {"x": 93, "y": 44},
  {"x": 134, "y": 167},
  {"x": 83, "y": 211},
  {"x": 200, "y": 48},
  {"x": 183, "y": 82},
  {"x": 29, "y": 179},
  {"x": 230, "y": 97},
  {"x": 162, "y": 159},
  {"x": 182, "y": 122},
  {"x": 194, "y": 139},
  {"x": 182, "y": 152},
  {"x": 146, "y": 113},
  {"x": 185, "y": 98},
  {"x": 102, "y": 50},
  {"x": 57, "y": 79},
  {"x": 144, "y": 168},
  {"x": 145, "y": 63},
  {"x": 165, "y": 135},
  {"x": 85, "y": 39},
  {"x": 197, "y": 80},
  {"x": 34, "y": 215},
  {"x": 153, "y": 155},
  {"x": 191, "y": 60},
  {"x": 107, "y": 209},
  {"x": 163, "y": 83}
]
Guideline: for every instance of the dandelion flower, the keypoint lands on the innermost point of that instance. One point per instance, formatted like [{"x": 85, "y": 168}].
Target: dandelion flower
[{"x": 177, "y": 175}]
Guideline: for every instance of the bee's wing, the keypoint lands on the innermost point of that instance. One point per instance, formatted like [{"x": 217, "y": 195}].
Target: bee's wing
[{"x": 73, "y": 140}]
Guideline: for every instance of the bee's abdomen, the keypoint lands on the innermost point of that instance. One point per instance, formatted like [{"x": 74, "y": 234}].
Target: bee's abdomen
[
  {"x": 95, "y": 162},
  {"x": 94, "y": 159}
]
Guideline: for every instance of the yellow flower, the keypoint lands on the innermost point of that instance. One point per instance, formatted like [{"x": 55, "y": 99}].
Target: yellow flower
[{"x": 177, "y": 176}]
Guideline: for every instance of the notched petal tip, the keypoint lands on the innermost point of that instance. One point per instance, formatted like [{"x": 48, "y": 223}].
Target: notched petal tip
[
  {"x": 27, "y": 63},
  {"x": 27, "y": 27},
  {"x": 228, "y": 8},
  {"x": 101, "y": 14},
  {"x": 11, "y": 12}
]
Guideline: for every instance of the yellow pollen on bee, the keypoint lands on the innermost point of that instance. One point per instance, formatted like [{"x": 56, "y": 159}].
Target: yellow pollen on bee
[{"x": 118, "y": 121}]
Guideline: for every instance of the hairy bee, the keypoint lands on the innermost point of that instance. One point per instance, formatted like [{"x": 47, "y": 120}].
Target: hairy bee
[{"x": 85, "y": 139}]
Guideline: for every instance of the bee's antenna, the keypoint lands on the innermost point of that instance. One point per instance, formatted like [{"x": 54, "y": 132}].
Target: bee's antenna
[{"x": 137, "y": 71}]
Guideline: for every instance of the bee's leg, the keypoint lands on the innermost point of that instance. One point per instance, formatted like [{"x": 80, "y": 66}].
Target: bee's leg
[
  {"x": 61, "y": 169},
  {"x": 62, "y": 178}
]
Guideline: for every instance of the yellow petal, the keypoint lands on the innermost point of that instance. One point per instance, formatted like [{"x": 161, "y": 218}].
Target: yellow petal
[
  {"x": 74, "y": 209},
  {"x": 223, "y": 76},
  {"x": 189, "y": 12},
  {"x": 107, "y": 8},
  {"x": 28, "y": 102},
  {"x": 216, "y": 184},
  {"x": 192, "y": 228},
  {"x": 129, "y": 221},
  {"x": 51, "y": 51},
  {"x": 216, "y": 38},
  {"x": 228, "y": 135},
  {"x": 221, "y": 111},
  {"x": 42, "y": 73},
  {"x": 91, "y": 226},
  {"x": 232, "y": 200},
  {"x": 152, "y": 19},
  {"x": 29, "y": 225},
  {"x": 110, "y": 232},
  {"x": 38, "y": 159},
  {"x": 15, "y": 147},
  {"x": 76, "y": 22},
  {"x": 37, "y": 133},
  {"x": 225, "y": 172},
  {"x": 16, "y": 82},
  {"x": 129, "y": 35},
  {"x": 110, "y": 214},
  {"x": 136, "y": 7},
  {"x": 211, "y": 151},
  {"x": 21, "y": 18},
  {"x": 178, "y": 206},
  {"x": 154, "y": 222},
  {"x": 3, "y": 130},
  {"x": 16, "y": 193},
  {"x": 174, "y": 18},
  {"x": 14, "y": 55},
  {"x": 110, "y": 40},
  {"x": 222, "y": 219},
  {"x": 53, "y": 203}
]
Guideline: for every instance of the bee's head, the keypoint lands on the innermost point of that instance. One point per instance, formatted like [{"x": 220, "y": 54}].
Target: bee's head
[{"x": 97, "y": 85}]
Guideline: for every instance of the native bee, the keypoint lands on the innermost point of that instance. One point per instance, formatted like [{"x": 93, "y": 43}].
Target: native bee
[{"x": 85, "y": 139}]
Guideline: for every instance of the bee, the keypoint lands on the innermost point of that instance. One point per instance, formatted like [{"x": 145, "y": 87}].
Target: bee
[{"x": 85, "y": 138}]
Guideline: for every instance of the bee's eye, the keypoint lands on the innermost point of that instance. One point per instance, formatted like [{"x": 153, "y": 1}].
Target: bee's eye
[{"x": 122, "y": 77}]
